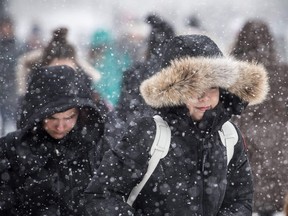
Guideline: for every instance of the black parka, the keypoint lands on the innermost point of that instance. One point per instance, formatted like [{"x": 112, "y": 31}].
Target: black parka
[
  {"x": 43, "y": 175},
  {"x": 193, "y": 179}
]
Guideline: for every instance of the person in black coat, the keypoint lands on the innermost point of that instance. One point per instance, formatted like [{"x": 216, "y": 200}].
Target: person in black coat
[
  {"x": 130, "y": 103},
  {"x": 47, "y": 164},
  {"x": 196, "y": 91}
]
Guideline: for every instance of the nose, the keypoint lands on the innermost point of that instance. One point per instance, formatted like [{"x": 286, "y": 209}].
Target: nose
[
  {"x": 203, "y": 97},
  {"x": 60, "y": 126}
]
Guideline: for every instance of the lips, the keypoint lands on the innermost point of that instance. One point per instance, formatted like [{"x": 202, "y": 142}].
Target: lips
[
  {"x": 204, "y": 108},
  {"x": 58, "y": 135}
]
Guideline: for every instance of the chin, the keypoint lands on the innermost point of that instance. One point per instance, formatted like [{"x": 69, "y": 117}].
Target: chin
[{"x": 58, "y": 136}]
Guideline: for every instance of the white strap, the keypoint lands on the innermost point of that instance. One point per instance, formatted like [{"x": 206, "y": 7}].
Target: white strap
[
  {"x": 229, "y": 138},
  {"x": 162, "y": 138},
  {"x": 159, "y": 149}
]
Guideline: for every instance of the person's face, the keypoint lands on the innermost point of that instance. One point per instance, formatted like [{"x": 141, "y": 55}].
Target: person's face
[
  {"x": 208, "y": 100},
  {"x": 6, "y": 30},
  {"x": 60, "y": 124}
]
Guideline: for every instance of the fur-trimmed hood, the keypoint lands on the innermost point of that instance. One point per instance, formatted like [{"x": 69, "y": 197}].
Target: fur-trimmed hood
[
  {"x": 32, "y": 59},
  {"x": 188, "y": 77}
]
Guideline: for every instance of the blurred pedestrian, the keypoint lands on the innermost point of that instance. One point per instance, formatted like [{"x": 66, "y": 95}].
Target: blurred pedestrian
[
  {"x": 131, "y": 104},
  {"x": 265, "y": 125},
  {"x": 105, "y": 58},
  {"x": 196, "y": 91},
  {"x": 193, "y": 25},
  {"x": 9, "y": 52},
  {"x": 57, "y": 51},
  {"x": 34, "y": 39},
  {"x": 48, "y": 162},
  {"x": 131, "y": 38}
]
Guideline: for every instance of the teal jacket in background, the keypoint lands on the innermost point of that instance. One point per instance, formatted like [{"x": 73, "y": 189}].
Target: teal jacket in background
[{"x": 110, "y": 63}]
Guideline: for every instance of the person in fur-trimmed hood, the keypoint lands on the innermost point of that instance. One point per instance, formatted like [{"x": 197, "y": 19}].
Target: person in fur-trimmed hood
[{"x": 197, "y": 90}]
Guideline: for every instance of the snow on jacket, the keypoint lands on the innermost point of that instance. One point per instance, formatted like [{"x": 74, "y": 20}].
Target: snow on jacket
[
  {"x": 193, "y": 179},
  {"x": 46, "y": 176}
]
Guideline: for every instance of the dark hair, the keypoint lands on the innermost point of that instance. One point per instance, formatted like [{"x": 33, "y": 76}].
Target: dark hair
[{"x": 58, "y": 47}]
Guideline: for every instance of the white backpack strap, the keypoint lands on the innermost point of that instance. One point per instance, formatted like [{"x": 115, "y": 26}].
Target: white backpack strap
[
  {"x": 229, "y": 137},
  {"x": 159, "y": 149}
]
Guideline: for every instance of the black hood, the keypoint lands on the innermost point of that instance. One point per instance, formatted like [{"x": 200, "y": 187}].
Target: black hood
[{"x": 55, "y": 89}]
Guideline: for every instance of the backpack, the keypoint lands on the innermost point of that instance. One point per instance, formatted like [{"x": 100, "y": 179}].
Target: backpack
[{"x": 161, "y": 145}]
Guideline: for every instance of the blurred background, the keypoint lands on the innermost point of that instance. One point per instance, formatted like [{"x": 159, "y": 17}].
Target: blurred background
[{"x": 221, "y": 18}]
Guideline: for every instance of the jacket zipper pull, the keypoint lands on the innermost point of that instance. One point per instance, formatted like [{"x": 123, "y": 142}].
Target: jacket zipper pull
[{"x": 204, "y": 161}]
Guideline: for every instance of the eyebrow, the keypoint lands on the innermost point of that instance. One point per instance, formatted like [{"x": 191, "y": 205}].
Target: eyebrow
[{"x": 71, "y": 116}]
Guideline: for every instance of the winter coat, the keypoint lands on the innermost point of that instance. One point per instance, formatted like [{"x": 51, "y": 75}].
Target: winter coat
[
  {"x": 110, "y": 63},
  {"x": 193, "y": 179},
  {"x": 43, "y": 175},
  {"x": 265, "y": 125}
]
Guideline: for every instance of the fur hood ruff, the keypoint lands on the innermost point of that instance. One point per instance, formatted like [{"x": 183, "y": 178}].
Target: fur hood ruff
[{"x": 189, "y": 77}]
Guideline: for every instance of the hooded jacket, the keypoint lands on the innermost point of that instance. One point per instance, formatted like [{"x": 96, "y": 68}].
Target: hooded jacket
[
  {"x": 43, "y": 175},
  {"x": 193, "y": 179}
]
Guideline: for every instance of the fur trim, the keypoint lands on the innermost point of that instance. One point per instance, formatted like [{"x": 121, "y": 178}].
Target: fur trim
[
  {"x": 189, "y": 77},
  {"x": 24, "y": 68},
  {"x": 89, "y": 70}
]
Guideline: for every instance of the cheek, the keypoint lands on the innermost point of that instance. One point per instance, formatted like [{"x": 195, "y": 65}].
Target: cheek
[
  {"x": 190, "y": 107},
  {"x": 215, "y": 100},
  {"x": 72, "y": 123}
]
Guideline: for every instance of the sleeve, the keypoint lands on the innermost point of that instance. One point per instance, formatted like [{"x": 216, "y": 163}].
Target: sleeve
[
  {"x": 239, "y": 192},
  {"x": 120, "y": 170},
  {"x": 7, "y": 196}
]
